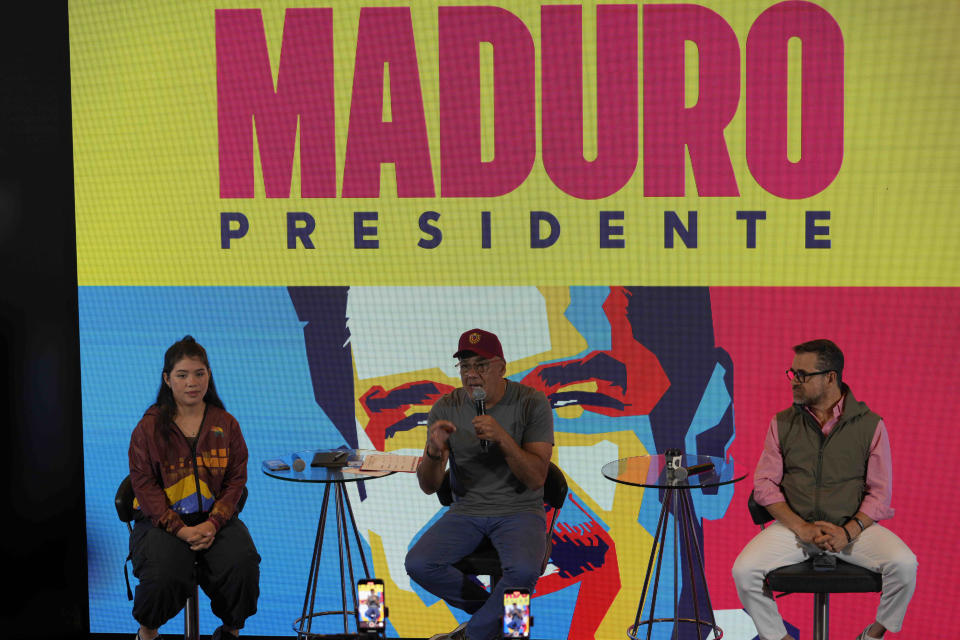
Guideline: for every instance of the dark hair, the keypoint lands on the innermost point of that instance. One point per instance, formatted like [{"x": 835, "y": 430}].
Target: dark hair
[
  {"x": 184, "y": 348},
  {"x": 829, "y": 356}
]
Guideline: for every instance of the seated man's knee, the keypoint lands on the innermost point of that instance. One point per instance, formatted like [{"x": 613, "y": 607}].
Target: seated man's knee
[
  {"x": 524, "y": 573},
  {"x": 904, "y": 564},
  {"x": 416, "y": 564},
  {"x": 743, "y": 570}
]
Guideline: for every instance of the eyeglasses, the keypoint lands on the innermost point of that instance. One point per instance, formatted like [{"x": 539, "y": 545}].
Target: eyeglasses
[
  {"x": 801, "y": 376},
  {"x": 480, "y": 367}
]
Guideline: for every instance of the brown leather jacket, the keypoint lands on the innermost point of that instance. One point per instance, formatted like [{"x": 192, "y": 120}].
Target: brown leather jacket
[{"x": 171, "y": 482}]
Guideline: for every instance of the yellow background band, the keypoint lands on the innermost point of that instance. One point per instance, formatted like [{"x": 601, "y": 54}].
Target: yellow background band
[{"x": 147, "y": 183}]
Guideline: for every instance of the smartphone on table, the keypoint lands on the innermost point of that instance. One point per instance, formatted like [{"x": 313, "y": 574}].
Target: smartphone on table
[{"x": 516, "y": 613}]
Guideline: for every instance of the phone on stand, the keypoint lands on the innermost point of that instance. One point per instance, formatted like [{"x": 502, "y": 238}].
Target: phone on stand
[
  {"x": 516, "y": 613},
  {"x": 371, "y": 607}
]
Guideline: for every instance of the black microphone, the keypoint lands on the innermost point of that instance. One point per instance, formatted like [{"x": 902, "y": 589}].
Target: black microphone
[
  {"x": 480, "y": 399},
  {"x": 697, "y": 469}
]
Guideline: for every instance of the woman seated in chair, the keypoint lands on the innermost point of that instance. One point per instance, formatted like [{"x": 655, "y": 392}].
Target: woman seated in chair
[{"x": 188, "y": 468}]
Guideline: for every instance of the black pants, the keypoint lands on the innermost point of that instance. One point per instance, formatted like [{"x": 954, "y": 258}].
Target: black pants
[{"x": 228, "y": 572}]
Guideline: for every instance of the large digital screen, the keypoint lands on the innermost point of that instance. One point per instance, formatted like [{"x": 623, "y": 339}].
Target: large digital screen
[{"x": 649, "y": 203}]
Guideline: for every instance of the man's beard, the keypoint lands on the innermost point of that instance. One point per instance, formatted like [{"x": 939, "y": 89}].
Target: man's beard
[{"x": 804, "y": 400}]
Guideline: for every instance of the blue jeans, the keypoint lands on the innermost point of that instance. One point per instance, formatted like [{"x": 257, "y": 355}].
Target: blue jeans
[{"x": 520, "y": 540}]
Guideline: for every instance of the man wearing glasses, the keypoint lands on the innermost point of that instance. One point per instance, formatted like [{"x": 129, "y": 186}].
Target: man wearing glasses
[
  {"x": 499, "y": 453},
  {"x": 825, "y": 474}
]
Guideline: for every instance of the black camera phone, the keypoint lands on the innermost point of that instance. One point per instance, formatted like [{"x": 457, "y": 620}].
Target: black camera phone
[
  {"x": 516, "y": 613},
  {"x": 371, "y": 606}
]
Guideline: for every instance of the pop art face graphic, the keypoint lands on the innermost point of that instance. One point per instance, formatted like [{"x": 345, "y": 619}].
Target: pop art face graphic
[{"x": 628, "y": 371}]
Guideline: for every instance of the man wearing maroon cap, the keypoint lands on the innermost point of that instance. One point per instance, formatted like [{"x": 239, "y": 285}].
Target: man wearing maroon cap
[{"x": 498, "y": 463}]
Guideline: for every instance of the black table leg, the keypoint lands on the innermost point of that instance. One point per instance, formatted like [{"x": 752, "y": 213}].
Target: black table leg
[
  {"x": 684, "y": 531},
  {"x": 342, "y": 508}
]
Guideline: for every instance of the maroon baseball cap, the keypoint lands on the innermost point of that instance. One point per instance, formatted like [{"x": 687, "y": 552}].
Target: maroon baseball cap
[{"x": 479, "y": 342}]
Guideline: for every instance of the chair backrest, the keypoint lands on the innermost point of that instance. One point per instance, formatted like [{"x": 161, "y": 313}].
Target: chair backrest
[
  {"x": 445, "y": 493},
  {"x": 555, "y": 487},
  {"x": 554, "y": 494},
  {"x": 759, "y": 514},
  {"x": 123, "y": 500}
]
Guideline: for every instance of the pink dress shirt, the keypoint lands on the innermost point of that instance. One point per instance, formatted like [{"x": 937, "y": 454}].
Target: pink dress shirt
[{"x": 879, "y": 480}]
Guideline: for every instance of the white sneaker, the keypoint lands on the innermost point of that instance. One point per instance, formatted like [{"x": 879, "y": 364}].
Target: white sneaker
[{"x": 863, "y": 635}]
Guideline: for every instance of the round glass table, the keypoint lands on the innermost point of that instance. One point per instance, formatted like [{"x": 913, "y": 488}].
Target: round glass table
[
  {"x": 676, "y": 481},
  {"x": 297, "y": 467}
]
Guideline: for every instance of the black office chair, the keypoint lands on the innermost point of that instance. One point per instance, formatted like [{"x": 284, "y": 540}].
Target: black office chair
[
  {"x": 802, "y": 577},
  {"x": 484, "y": 560},
  {"x": 123, "y": 501}
]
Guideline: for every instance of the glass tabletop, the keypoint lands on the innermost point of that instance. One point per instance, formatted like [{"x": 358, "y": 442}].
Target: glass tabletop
[
  {"x": 652, "y": 471},
  {"x": 353, "y": 459}
]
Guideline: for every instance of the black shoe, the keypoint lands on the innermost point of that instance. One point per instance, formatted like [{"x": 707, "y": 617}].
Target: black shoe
[
  {"x": 460, "y": 633},
  {"x": 452, "y": 635},
  {"x": 220, "y": 634}
]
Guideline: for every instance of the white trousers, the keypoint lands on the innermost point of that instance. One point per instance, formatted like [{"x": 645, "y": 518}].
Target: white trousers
[{"x": 877, "y": 549}]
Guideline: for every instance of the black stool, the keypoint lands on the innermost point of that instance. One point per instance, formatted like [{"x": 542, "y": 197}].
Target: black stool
[
  {"x": 484, "y": 560},
  {"x": 123, "y": 501},
  {"x": 802, "y": 577}
]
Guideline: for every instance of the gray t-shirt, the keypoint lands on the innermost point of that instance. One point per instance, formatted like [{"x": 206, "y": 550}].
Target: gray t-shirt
[{"x": 482, "y": 483}]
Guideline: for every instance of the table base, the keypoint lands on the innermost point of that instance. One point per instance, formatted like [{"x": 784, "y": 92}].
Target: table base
[
  {"x": 303, "y": 625},
  {"x": 336, "y": 636},
  {"x": 633, "y": 634},
  {"x": 683, "y": 519}
]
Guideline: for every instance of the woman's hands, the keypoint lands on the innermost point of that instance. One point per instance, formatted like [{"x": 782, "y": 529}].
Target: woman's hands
[{"x": 199, "y": 537}]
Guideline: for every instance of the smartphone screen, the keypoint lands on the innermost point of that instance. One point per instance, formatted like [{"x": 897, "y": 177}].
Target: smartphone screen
[
  {"x": 371, "y": 607},
  {"x": 516, "y": 613}
]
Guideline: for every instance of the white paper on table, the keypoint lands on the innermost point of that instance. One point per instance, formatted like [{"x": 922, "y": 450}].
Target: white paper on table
[
  {"x": 361, "y": 472},
  {"x": 390, "y": 462}
]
